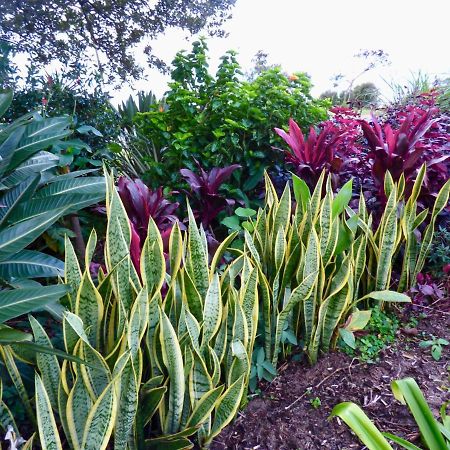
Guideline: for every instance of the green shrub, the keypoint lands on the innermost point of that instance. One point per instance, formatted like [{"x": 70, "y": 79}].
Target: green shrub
[{"x": 222, "y": 119}]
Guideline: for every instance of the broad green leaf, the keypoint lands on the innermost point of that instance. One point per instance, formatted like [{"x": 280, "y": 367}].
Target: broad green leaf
[
  {"x": 361, "y": 425},
  {"x": 342, "y": 198},
  {"x": 388, "y": 296},
  {"x": 6, "y": 97},
  {"x": 31, "y": 264},
  {"x": 15, "y": 302},
  {"x": 301, "y": 192},
  {"x": 408, "y": 392}
]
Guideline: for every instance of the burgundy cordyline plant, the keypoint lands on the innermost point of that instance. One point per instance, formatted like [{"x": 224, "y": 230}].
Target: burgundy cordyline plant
[
  {"x": 417, "y": 139},
  {"x": 141, "y": 203},
  {"x": 205, "y": 191},
  {"x": 309, "y": 157}
]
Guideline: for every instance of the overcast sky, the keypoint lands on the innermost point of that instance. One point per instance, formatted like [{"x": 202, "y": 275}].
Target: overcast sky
[{"x": 321, "y": 37}]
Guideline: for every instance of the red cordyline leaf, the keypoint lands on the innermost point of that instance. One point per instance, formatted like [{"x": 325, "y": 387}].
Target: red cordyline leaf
[
  {"x": 206, "y": 188},
  {"x": 141, "y": 203}
]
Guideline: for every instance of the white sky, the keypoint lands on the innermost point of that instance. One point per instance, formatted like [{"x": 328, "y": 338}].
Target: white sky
[{"x": 321, "y": 38}]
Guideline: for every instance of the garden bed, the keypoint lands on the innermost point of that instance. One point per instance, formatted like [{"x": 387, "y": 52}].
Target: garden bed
[{"x": 292, "y": 411}]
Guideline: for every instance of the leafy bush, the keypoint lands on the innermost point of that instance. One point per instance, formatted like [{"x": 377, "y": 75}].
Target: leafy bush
[
  {"x": 321, "y": 262},
  {"x": 221, "y": 120},
  {"x": 166, "y": 355},
  {"x": 380, "y": 331},
  {"x": 33, "y": 196},
  {"x": 435, "y": 434}
]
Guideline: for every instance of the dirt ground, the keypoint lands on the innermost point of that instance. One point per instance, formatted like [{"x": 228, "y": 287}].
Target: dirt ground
[{"x": 283, "y": 417}]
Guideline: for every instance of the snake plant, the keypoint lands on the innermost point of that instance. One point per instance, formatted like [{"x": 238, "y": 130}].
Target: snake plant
[
  {"x": 320, "y": 263},
  {"x": 166, "y": 353}
]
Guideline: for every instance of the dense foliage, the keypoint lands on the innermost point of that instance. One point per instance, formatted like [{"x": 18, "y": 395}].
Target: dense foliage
[
  {"x": 222, "y": 120},
  {"x": 103, "y": 33},
  {"x": 33, "y": 196}
]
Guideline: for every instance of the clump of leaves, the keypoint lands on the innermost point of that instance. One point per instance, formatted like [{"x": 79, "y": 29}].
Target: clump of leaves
[
  {"x": 436, "y": 345},
  {"x": 205, "y": 186},
  {"x": 310, "y": 156},
  {"x": 439, "y": 257},
  {"x": 141, "y": 203},
  {"x": 221, "y": 119},
  {"x": 379, "y": 333},
  {"x": 262, "y": 369}
]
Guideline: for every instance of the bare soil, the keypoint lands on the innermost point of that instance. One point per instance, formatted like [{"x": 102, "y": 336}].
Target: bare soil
[{"x": 283, "y": 417}]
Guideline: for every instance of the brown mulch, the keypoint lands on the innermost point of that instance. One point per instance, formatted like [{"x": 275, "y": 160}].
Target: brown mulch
[{"x": 284, "y": 418}]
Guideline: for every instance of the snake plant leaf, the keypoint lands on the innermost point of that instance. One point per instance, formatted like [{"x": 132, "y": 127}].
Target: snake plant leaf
[
  {"x": 90, "y": 248},
  {"x": 100, "y": 421},
  {"x": 173, "y": 360},
  {"x": 72, "y": 269},
  {"x": 8, "y": 358},
  {"x": 89, "y": 308},
  {"x": 48, "y": 431},
  {"x": 408, "y": 392},
  {"x": 212, "y": 311},
  {"x": 299, "y": 294},
  {"x": 361, "y": 425},
  {"x": 15, "y": 302},
  {"x": 200, "y": 381},
  {"x": 283, "y": 212},
  {"x": 153, "y": 264},
  {"x": 197, "y": 259},
  {"x": 204, "y": 407},
  {"x": 175, "y": 249},
  {"x": 6, "y": 417},
  {"x": 226, "y": 407},
  {"x": 192, "y": 296},
  {"x": 150, "y": 403},
  {"x": 220, "y": 251},
  {"x": 31, "y": 264},
  {"x": 387, "y": 244},
  {"x": 28, "y": 445},
  {"x": 78, "y": 405},
  {"x": 48, "y": 364},
  {"x": 127, "y": 399}
]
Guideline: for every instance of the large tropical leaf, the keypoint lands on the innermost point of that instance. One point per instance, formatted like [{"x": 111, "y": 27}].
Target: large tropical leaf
[
  {"x": 31, "y": 264},
  {"x": 15, "y": 302}
]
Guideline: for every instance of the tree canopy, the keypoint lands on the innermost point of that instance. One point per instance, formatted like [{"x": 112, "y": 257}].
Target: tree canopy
[{"x": 75, "y": 32}]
